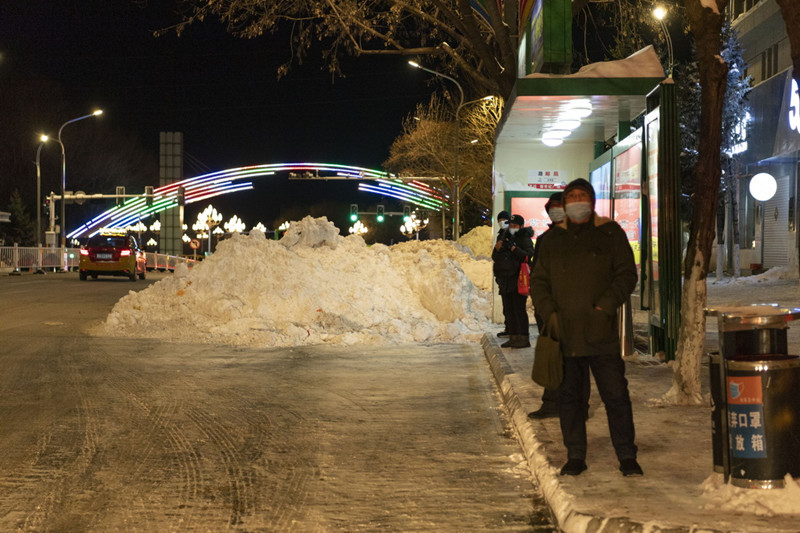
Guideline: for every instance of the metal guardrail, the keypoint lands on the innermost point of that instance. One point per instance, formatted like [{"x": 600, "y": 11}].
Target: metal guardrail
[{"x": 32, "y": 258}]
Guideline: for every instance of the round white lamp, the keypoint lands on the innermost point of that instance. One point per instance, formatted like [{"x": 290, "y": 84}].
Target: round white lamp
[{"x": 763, "y": 186}]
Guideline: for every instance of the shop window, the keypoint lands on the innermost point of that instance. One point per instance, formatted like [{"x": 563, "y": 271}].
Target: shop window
[
  {"x": 747, "y": 218},
  {"x": 769, "y": 62}
]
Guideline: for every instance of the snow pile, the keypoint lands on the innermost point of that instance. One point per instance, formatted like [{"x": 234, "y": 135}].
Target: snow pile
[
  {"x": 314, "y": 286},
  {"x": 785, "y": 501},
  {"x": 641, "y": 64},
  {"x": 479, "y": 241},
  {"x": 773, "y": 274}
]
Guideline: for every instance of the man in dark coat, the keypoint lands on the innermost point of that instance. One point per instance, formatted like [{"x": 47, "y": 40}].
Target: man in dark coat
[
  {"x": 502, "y": 221},
  {"x": 515, "y": 248},
  {"x": 586, "y": 270}
]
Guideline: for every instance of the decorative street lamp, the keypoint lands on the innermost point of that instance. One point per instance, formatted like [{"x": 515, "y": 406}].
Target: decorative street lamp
[
  {"x": 96, "y": 113},
  {"x": 358, "y": 228},
  {"x": 412, "y": 226},
  {"x": 206, "y": 221},
  {"x": 234, "y": 225}
]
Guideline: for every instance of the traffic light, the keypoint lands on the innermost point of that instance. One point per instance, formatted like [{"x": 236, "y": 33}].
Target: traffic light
[
  {"x": 353, "y": 212},
  {"x": 120, "y": 194},
  {"x": 379, "y": 218},
  {"x": 406, "y": 213},
  {"x": 148, "y": 193},
  {"x": 181, "y": 196}
]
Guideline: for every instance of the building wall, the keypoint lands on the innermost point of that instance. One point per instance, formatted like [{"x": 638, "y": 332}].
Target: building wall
[{"x": 762, "y": 32}]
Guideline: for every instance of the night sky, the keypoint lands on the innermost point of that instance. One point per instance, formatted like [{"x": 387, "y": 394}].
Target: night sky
[{"x": 221, "y": 91}]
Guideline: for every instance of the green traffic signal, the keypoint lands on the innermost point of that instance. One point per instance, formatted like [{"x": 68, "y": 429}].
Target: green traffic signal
[{"x": 380, "y": 217}]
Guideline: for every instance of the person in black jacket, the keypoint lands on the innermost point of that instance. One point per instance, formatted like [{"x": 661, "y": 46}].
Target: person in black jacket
[
  {"x": 508, "y": 255},
  {"x": 586, "y": 270},
  {"x": 502, "y": 221}
]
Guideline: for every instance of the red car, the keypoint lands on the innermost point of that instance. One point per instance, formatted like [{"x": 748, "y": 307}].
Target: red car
[{"x": 112, "y": 254}]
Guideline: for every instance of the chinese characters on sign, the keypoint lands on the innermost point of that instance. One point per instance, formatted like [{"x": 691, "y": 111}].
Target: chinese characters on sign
[
  {"x": 745, "y": 417},
  {"x": 547, "y": 180}
]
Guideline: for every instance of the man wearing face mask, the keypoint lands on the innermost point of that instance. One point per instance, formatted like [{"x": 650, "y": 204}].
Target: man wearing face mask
[
  {"x": 508, "y": 255},
  {"x": 585, "y": 271},
  {"x": 502, "y": 221}
]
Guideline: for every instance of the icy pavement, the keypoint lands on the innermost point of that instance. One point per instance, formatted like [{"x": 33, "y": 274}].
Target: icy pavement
[{"x": 679, "y": 491}]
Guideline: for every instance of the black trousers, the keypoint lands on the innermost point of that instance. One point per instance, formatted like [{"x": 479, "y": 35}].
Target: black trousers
[
  {"x": 609, "y": 375},
  {"x": 516, "y": 316}
]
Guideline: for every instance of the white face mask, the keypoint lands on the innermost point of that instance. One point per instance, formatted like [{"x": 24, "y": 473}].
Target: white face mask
[
  {"x": 578, "y": 211},
  {"x": 504, "y": 224},
  {"x": 556, "y": 214},
  {"x": 513, "y": 231}
]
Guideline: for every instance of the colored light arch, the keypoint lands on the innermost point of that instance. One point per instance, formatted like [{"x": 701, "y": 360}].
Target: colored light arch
[{"x": 205, "y": 186}]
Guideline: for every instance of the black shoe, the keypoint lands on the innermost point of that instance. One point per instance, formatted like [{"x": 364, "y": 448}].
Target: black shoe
[
  {"x": 574, "y": 467},
  {"x": 520, "y": 341},
  {"x": 503, "y": 333},
  {"x": 508, "y": 344},
  {"x": 629, "y": 467},
  {"x": 545, "y": 411}
]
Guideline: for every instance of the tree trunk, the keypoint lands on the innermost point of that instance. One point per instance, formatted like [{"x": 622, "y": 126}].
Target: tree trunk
[
  {"x": 721, "y": 236},
  {"x": 734, "y": 201},
  {"x": 706, "y": 25}
]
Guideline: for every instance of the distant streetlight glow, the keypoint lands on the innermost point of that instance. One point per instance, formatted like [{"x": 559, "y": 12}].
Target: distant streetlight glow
[
  {"x": 660, "y": 13},
  {"x": 42, "y": 139},
  {"x": 95, "y": 113}
]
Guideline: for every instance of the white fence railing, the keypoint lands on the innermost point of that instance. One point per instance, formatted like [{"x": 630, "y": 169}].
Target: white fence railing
[{"x": 32, "y": 258}]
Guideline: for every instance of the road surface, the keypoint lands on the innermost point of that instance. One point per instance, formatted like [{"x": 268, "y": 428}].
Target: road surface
[{"x": 114, "y": 434}]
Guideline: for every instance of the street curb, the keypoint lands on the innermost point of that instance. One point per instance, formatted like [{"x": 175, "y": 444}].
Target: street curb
[{"x": 561, "y": 504}]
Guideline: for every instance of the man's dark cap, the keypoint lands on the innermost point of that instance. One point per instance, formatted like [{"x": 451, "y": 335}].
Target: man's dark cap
[
  {"x": 517, "y": 219},
  {"x": 503, "y": 215},
  {"x": 580, "y": 183}
]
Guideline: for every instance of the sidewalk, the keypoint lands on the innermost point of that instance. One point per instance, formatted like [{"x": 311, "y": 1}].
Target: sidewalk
[{"x": 674, "y": 443}]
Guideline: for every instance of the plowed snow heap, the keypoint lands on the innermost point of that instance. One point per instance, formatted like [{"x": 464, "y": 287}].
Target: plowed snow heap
[{"x": 314, "y": 286}]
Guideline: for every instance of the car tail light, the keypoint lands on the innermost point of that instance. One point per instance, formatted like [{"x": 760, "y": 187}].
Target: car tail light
[
  {"x": 124, "y": 253},
  {"x": 84, "y": 251}
]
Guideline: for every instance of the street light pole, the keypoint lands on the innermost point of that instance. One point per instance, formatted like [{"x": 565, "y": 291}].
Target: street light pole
[
  {"x": 660, "y": 13},
  {"x": 64, "y": 175},
  {"x": 42, "y": 140},
  {"x": 456, "y": 193}
]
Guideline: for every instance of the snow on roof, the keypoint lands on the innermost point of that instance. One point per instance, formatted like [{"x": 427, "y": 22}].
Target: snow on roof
[{"x": 641, "y": 64}]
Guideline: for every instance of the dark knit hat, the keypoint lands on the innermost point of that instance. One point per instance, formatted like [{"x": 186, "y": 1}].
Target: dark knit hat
[
  {"x": 503, "y": 215},
  {"x": 517, "y": 219},
  {"x": 580, "y": 183},
  {"x": 555, "y": 197}
]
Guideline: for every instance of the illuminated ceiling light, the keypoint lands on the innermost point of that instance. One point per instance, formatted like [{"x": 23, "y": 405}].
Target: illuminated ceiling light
[
  {"x": 552, "y": 142},
  {"x": 556, "y": 134},
  {"x": 659, "y": 12},
  {"x": 568, "y": 124}
]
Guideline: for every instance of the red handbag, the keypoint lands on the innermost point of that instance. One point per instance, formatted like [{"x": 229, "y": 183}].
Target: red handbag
[{"x": 524, "y": 278}]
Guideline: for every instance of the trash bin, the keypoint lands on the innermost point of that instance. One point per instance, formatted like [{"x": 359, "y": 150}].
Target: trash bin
[
  {"x": 763, "y": 400},
  {"x": 759, "y": 413}
]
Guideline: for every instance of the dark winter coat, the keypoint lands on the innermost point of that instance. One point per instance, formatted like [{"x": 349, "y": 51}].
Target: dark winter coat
[
  {"x": 507, "y": 260},
  {"x": 580, "y": 268}
]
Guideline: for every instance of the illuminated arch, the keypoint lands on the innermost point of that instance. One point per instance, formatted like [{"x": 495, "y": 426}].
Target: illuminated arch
[{"x": 207, "y": 186}]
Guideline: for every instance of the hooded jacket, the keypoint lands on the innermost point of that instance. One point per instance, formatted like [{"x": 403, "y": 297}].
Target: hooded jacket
[
  {"x": 580, "y": 268},
  {"x": 507, "y": 262}
]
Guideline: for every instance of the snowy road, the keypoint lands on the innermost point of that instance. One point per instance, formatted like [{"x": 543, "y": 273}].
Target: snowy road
[{"x": 117, "y": 434}]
